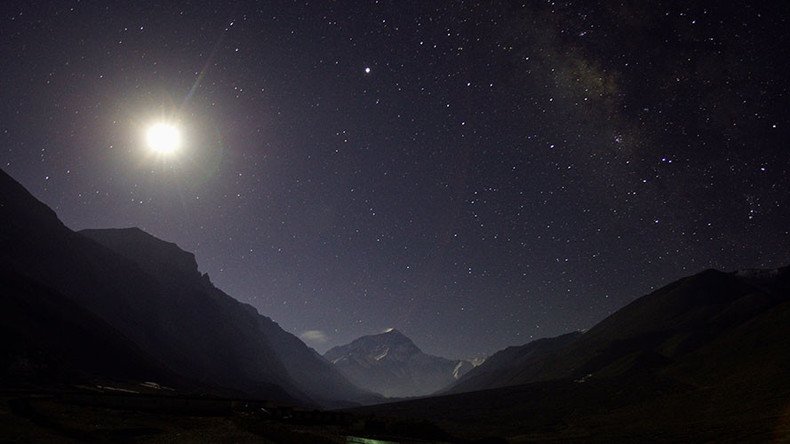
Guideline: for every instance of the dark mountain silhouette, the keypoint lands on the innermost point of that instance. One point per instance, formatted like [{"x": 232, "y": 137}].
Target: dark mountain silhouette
[
  {"x": 149, "y": 298},
  {"x": 506, "y": 367},
  {"x": 389, "y": 363},
  {"x": 655, "y": 333},
  {"x": 702, "y": 358},
  {"x": 176, "y": 270}
]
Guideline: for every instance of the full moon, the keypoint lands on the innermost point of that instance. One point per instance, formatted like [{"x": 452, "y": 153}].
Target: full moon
[{"x": 163, "y": 138}]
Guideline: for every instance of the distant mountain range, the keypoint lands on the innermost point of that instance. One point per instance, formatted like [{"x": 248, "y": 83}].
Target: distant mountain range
[
  {"x": 702, "y": 358},
  {"x": 123, "y": 305},
  {"x": 391, "y": 364}
]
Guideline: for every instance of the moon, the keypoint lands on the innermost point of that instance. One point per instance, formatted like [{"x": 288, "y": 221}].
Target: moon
[{"x": 163, "y": 138}]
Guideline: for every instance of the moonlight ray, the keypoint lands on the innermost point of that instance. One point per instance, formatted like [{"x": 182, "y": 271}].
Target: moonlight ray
[{"x": 206, "y": 65}]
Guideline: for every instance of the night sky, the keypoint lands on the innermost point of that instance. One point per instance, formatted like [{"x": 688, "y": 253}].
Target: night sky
[{"x": 475, "y": 174}]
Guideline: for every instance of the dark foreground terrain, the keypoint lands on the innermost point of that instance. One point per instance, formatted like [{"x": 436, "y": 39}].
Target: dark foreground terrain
[
  {"x": 540, "y": 412},
  {"x": 606, "y": 411},
  {"x": 129, "y": 413}
]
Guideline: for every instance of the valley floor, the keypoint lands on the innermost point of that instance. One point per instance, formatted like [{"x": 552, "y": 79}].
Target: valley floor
[
  {"x": 88, "y": 416},
  {"x": 560, "y": 411},
  {"x": 605, "y": 411}
]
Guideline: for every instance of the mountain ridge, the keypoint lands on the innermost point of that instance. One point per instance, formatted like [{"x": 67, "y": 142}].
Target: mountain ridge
[
  {"x": 647, "y": 335},
  {"x": 151, "y": 292}
]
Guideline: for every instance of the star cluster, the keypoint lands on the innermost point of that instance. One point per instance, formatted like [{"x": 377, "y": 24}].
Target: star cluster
[{"x": 475, "y": 174}]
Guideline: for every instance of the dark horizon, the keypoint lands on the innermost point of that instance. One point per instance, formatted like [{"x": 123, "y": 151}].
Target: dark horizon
[{"x": 474, "y": 177}]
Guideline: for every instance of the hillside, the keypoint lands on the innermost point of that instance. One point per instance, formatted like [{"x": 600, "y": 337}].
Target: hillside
[{"x": 150, "y": 294}]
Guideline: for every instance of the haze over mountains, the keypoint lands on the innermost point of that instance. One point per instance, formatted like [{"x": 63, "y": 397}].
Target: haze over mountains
[{"x": 391, "y": 364}]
